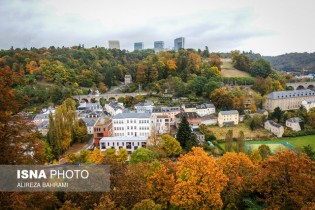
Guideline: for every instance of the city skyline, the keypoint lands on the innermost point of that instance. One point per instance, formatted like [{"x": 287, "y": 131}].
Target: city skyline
[{"x": 268, "y": 27}]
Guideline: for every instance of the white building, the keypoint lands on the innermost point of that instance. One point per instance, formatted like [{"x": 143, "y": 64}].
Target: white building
[
  {"x": 161, "y": 123},
  {"x": 201, "y": 110},
  {"x": 168, "y": 111},
  {"x": 228, "y": 118},
  {"x": 294, "y": 123},
  {"x": 89, "y": 125},
  {"x": 90, "y": 106},
  {"x": 130, "y": 143},
  {"x": 274, "y": 128},
  {"x": 113, "y": 44},
  {"x": 209, "y": 120},
  {"x": 114, "y": 108},
  {"x": 308, "y": 104},
  {"x": 132, "y": 124},
  {"x": 144, "y": 107}
]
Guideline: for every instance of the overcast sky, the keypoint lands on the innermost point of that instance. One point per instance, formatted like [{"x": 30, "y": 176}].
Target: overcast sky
[{"x": 269, "y": 27}]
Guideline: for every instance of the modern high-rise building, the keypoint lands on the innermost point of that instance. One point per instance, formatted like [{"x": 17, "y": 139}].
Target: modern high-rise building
[
  {"x": 113, "y": 44},
  {"x": 138, "y": 46},
  {"x": 179, "y": 43},
  {"x": 159, "y": 45}
]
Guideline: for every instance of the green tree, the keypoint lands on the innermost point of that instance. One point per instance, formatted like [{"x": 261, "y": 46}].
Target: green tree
[
  {"x": 229, "y": 141},
  {"x": 141, "y": 155},
  {"x": 240, "y": 144},
  {"x": 277, "y": 114},
  {"x": 122, "y": 155},
  {"x": 260, "y": 68},
  {"x": 309, "y": 151},
  {"x": 264, "y": 151},
  {"x": 184, "y": 133}
]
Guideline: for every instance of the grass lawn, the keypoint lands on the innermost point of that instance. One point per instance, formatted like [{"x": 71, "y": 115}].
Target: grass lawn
[
  {"x": 297, "y": 142},
  {"x": 228, "y": 70},
  {"x": 249, "y": 134}
]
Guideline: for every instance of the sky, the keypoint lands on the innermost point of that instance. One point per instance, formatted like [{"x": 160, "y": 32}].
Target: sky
[{"x": 269, "y": 27}]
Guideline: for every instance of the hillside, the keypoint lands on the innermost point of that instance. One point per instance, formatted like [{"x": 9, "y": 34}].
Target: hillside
[
  {"x": 229, "y": 71},
  {"x": 293, "y": 62}
]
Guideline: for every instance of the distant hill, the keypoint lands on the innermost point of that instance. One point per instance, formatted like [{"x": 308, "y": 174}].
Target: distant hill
[{"x": 293, "y": 62}]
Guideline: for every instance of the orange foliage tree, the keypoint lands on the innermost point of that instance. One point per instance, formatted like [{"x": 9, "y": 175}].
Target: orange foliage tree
[
  {"x": 240, "y": 170},
  {"x": 199, "y": 181},
  {"x": 286, "y": 181}
]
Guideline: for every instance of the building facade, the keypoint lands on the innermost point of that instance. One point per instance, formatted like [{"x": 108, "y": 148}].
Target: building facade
[
  {"x": 179, "y": 43},
  {"x": 171, "y": 112},
  {"x": 102, "y": 128},
  {"x": 128, "y": 79},
  {"x": 193, "y": 119},
  {"x": 294, "y": 123},
  {"x": 113, "y": 108},
  {"x": 201, "y": 110},
  {"x": 308, "y": 104},
  {"x": 230, "y": 117},
  {"x": 161, "y": 123},
  {"x": 138, "y": 46},
  {"x": 288, "y": 100},
  {"x": 113, "y": 44},
  {"x": 274, "y": 128},
  {"x": 158, "y": 45},
  {"x": 132, "y": 124},
  {"x": 130, "y": 143}
]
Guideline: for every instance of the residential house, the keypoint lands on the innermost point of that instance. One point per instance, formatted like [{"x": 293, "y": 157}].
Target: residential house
[
  {"x": 144, "y": 107},
  {"x": 114, "y": 108},
  {"x": 193, "y": 119},
  {"x": 200, "y": 136},
  {"x": 209, "y": 120},
  {"x": 294, "y": 123},
  {"x": 161, "y": 123},
  {"x": 308, "y": 104},
  {"x": 90, "y": 106},
  {"x": 201, "y": 110},
  {"x": 228, "y": 118},
  {"x": 274, "y": 128},
  {"x": 89, "y": 124},
  {"x": 171, "y": 112},
  {"x": 102, "y": 128}
]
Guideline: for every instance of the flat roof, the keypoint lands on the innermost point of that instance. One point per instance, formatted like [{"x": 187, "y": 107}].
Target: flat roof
[{"x": 124, "y": 138}]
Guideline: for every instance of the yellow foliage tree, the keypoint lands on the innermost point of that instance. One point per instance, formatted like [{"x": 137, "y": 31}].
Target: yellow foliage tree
[
  {"x": 96, "y": 157},
  {"x": 199, "y": 181}
]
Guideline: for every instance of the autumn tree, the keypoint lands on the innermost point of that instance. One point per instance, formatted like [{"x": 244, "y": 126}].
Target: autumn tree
[
  {"x": 171, "y": 145},
  {"x": 18, "y": 140},
  {"x": 222, "y": 99},
  {"x": 285, "y": 181},
  {"x": 147, "y": 204},
  {"x": 161, "y": 183},
  {"x": 199, "y": 181},
  {"x": 255, "y": 156},
  {"x": 239, "y": 169}
]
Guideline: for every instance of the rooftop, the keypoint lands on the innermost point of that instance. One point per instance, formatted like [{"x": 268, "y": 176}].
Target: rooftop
[
  {"x": 274, "y": 123},
  {"x": 294, "y": 120},
  {"x": 290, "y": 94},
  {"x": 229, "y": 112},
  {"x": 88, "y": 121},
  {"x": 132, "y": 115},
  {"x": 187, "y": 115}
]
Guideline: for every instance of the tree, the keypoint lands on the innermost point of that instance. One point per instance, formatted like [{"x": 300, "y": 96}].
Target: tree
[
  {"x": 260, "y": 68},
  {"x": 199, "y": 181},
  {"x": 240, "y": 144},
  {"x": 105, "y": 203},
  {"x": 80, "y": 132},
  {"x": 18, "y": 140},
  {"x": 122, "y": 155},
  {"x": 229, "y": 141},
  {"x": 147, "y": 204},
  {"x": 309, "y": 151},
  {"x": 264, "y": 151},
  {"x": 255, "y": 156},
  {"x": 285, "y": 181},
  {"x": 184, "y": 132},
  {"x": 222, "y": 99},
  {"x": 142, "y": 155},
  {"x": 161, "y": 183},
  {"x": 96, "y": 156},
  {"x": 277, "y": 114},
  {"x": 239, "y": 169},
  {"x": 171, "y": 145},
  {"x": 215, "y": 61}
]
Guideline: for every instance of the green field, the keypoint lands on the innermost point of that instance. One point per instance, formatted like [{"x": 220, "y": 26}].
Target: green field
[
  {"x": 273, "y": 147},
  {"x": 297, "y": 142}
]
